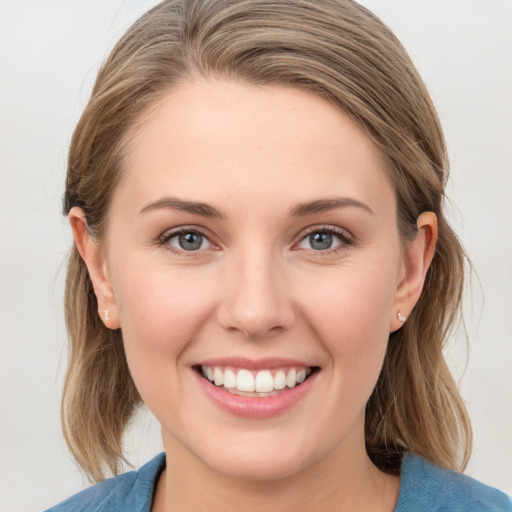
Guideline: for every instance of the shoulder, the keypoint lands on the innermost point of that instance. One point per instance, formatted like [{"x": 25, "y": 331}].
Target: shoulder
[
  {"x": 130, "y": 491},
  {"x": 426, "y": 486}
]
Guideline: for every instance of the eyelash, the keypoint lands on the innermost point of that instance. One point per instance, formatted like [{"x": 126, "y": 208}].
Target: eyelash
[
  {"x": 346, "y": 239},
  {"x": 343, "y": 235},
  {"x": 164, "y": 239}
]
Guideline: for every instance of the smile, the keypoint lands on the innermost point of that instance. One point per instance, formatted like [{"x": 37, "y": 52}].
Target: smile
[
  {"x": 257, "y": 384},
  {"x": 255, "y": 389}
]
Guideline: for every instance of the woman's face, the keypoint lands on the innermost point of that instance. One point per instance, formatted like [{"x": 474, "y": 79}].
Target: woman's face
[{"x": 253, "y": 241}]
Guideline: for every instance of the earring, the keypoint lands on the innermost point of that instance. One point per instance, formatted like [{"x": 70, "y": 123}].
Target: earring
[
  {"x": 401, "y": 317},
  {"x": 106, "y": 314}
]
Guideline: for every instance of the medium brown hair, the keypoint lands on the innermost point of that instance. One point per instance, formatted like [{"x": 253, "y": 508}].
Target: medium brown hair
[{"x": 335, "y": 49}]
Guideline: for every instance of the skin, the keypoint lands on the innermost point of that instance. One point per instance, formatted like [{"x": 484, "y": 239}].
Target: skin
[{"x": 257, "y": 288}]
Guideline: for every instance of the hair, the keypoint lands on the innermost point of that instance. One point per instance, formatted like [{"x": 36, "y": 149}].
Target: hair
[{"x": 339, "y": 51}]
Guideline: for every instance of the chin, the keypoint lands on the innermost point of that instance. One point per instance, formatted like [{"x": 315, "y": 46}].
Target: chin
[
  {"x": 258, "y": 468},
  {"x": 262, "y": 458}
]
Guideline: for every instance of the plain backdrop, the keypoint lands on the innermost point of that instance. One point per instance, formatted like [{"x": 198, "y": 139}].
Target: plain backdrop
[{"x": 50, "y": 51}]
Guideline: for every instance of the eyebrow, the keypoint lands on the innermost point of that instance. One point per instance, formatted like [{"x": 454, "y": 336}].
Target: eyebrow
[
  {"x": 323, "y": 205},
  {"x": 196, "y": 208},
  {"x": 300, "y": 210}
]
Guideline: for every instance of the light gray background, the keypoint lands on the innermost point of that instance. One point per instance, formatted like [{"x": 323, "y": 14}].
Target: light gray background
[{"x": 50, "y": 51}]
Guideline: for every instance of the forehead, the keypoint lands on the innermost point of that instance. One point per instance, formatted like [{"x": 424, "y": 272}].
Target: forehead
[{"x": 207, "y": 137}]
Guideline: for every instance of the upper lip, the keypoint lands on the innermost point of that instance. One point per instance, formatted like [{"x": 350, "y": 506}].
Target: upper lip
[{"x": 267, "y": 363}]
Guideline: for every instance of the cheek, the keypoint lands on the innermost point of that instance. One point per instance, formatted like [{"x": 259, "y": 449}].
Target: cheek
[
  {"x": 159, "y": 298},
  {"x": 358, "y": 299},
  {"x": 161, "y": 309},
  {"x": 351, "y": 314}
]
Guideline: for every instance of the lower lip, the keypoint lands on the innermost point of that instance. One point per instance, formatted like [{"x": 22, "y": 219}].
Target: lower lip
[{"x": 256, "y": 407}]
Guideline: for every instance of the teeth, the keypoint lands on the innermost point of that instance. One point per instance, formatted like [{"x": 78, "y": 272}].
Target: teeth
[
  {"x": 291, "y": 378},
  {"x": 218, "y": 376},
  {"x": 262, "y": 383},
  {"x": 245, "y": 381},
  {"x": 252, "y": 395},
  {"x": 229, "y": 379},
  {"x": 280, "y": 380}
]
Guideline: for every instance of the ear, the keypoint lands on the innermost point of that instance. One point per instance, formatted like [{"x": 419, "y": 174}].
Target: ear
[
  {"x": 93, "y": 255},
  {"x": 417, "y": 257}
]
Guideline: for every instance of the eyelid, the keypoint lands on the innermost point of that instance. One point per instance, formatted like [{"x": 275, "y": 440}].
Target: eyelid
[
  {"x": 164, "y": 238},
  {"x": 344, "y": 235}
]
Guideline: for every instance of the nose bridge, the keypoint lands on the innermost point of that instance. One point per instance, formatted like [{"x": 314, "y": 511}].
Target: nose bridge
[{"x": 255, "y": 299}]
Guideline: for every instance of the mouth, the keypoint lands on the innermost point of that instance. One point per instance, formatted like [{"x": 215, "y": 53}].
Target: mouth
[{"x": 260, "y": 383}]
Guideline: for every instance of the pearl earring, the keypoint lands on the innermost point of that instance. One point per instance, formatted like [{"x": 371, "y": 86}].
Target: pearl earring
[
  {"x": 106, "y": 314},
  {"x": 401, "y": 317}
]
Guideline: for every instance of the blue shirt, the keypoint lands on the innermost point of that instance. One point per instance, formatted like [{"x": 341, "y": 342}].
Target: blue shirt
[{"x": 424, "y": 487}]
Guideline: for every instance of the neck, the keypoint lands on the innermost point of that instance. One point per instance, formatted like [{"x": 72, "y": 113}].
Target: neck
[{"x": 350, "y": 484}]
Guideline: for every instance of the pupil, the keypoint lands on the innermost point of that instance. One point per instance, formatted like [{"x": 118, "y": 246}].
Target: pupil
[
  {"x": 321, "y": 241},
  {"x": 190, "y": 241}
]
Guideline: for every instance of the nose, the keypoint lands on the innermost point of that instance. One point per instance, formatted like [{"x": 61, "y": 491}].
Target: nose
[{"x": 255, "y": 300}]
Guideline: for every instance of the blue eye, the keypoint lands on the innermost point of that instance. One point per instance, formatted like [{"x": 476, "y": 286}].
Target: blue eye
[
  {"x": 188, "y": 240},
  {"x": 323, "y": 240}
]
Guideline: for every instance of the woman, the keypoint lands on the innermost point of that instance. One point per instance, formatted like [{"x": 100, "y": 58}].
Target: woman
[{"x": 261, "y": 257}]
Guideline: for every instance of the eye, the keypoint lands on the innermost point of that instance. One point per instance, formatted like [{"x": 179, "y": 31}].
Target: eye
[
  {"x": 324, "y": 239},
  {"x": 188, "y": 240}
]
